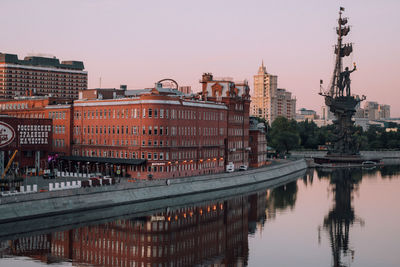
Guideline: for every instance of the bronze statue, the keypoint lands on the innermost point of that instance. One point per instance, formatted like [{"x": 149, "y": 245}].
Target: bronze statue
[{"x": 344, "y": 81}]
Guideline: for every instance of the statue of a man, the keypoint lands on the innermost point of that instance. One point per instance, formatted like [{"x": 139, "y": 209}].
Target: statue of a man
[{"x": 344, "y": 80}]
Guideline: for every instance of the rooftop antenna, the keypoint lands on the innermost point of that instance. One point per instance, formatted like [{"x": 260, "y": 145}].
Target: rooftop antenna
[{"x": 100, "y": 82}]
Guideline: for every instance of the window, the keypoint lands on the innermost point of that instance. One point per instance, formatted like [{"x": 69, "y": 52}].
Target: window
[
  {"x": 161, "y": 130},
  {"x": 144, "y": 113},
  {"x": 148, "y": 155},
  {"x": 156, "y": 113},
  {"x": 150, "y": 113},
  {"x": 150, "y": 129},
  {"x": 155, "y": 130},
  {"x": 161, "y": 113}
]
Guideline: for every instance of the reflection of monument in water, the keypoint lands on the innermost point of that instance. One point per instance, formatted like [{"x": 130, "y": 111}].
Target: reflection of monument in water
[
  {"x": 341, "y": 217},
  {"x": 345, "y": 148}
]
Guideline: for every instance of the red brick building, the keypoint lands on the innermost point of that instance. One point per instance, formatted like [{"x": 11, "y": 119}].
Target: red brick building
[
  {"x": 158, "y": 132},
  {"x": 236, "y": 97},
  {"x": 40, "y": 76},
  {"x": 176, "y": 136},
  {"x": 258, "y": 144},
  {"x": 59, "y": 110}
]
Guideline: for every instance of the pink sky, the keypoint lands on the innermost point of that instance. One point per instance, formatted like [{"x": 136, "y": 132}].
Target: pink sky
[{"x": 140, "y": 42}]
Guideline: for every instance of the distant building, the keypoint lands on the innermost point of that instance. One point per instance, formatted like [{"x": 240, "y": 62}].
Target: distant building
[
  {"x": 327, "y": 115},
  {"x": 269, "y": 101},
  {"x": 373, "y": 111},
  {"x": 40, "y": 76},
  {"x": 185, "y": 89},
  {"x": 306, "y": 114}
]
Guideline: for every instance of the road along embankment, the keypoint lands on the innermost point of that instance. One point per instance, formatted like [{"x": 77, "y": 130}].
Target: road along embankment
[{"x": 22, "y": 207}]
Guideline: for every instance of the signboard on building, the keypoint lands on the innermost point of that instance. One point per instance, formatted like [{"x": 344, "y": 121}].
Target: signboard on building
[
  {"x": 33, "y": 134},
  {"x": 25, "y": 134}
]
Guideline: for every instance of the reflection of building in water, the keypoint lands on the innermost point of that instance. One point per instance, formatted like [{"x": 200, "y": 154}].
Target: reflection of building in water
[
  {"x": 37, "y": 247},
  {"x": 4, "y": 249},
  {"x": 257, "y": 212},
  {"x": 211, "y": 234},
  {"x": 280, "y": 198}
]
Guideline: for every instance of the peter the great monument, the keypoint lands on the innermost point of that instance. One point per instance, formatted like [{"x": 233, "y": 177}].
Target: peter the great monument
[{"x": 345, "y": 148}]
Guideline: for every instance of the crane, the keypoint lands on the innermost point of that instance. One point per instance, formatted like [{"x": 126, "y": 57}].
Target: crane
[{"x": 9, "y": 164}]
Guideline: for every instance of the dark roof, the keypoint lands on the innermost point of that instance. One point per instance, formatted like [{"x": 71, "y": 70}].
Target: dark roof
[
  {"x": 42, "y": 62},
  {"x": 105, "y": 160}
]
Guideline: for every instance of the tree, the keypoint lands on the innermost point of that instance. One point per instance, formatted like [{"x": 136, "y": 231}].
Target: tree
[{"x": 284, "y": 135}]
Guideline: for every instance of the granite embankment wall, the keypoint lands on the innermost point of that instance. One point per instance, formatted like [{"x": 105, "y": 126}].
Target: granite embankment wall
[
  {"x": 22, "y": 207},
  {"x": 367, "y": 154}
]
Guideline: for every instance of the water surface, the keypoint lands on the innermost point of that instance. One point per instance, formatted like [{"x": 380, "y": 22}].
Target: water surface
[{"x": 345, "y": 217}]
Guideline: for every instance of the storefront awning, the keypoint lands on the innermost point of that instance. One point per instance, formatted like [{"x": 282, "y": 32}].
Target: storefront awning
[{"x": 104, "y": 160}]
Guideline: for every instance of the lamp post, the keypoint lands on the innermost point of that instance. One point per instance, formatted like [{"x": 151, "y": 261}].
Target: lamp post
[{"x": 87, "y": 168}]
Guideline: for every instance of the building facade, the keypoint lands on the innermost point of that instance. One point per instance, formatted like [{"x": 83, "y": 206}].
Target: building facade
[
  {"x": 148, "y": 133},
  {"x": 269, "y": 101},
  {"x": 235, "y": 96},
  {"x": 258, "y": 144},
  {"x": 307, "y": 114},
  {"x": 40, "y": 76},
  {"x": 176, "y": 137},
  {"x": 375, "y": 111},
  {"x": 43, "y": 107}
]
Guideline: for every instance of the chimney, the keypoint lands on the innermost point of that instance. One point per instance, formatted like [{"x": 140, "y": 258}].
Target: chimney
[{"x": 207, "y": 77}]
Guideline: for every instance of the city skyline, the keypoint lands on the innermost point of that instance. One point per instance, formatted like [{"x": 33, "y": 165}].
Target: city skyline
[{"x": 140, "y": 43}]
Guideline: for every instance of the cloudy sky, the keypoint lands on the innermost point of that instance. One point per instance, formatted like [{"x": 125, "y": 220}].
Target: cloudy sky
[{"x": 140, "y": 42}]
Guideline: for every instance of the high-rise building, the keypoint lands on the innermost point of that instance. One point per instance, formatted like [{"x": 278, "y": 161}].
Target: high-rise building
[
  {"x": 374, "y": 111},
  {"x": 269, "y": 101},
  {"x": 265, "y": 87},
  {"x": 40, "y": 76}
]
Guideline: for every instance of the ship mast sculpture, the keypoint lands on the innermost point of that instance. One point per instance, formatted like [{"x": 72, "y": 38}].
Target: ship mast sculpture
[{"x": 339, "y": 98}]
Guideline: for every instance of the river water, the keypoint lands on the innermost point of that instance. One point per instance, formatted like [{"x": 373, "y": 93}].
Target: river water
[{"x": 344, "y": 217}]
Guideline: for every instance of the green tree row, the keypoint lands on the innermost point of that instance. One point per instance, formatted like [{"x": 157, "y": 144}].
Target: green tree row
[{"x": 285, "y": 135}]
